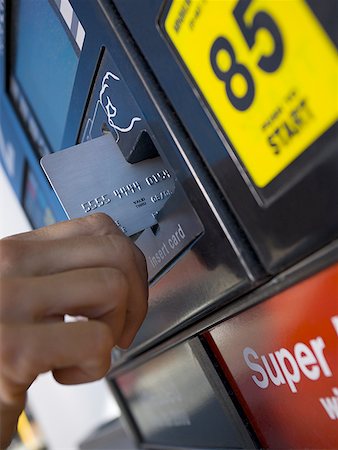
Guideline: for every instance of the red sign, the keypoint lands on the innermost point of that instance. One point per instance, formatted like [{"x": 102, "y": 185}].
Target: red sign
[{"x": 281, "y": 358}]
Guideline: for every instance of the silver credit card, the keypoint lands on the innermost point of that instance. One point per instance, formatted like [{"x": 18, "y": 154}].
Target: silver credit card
[{"x": 95, "y": 177}]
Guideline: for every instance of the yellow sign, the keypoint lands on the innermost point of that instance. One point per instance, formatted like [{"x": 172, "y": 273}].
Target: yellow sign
[{"x": 266, "y": 69}]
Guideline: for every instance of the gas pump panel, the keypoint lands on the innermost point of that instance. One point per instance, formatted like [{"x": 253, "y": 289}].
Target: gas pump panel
[
  {"x": 208, "y": 131},
  {"x": 109, "y": 95},
  {"x": 292, "y": 369},
  {"x": 261, "y": 112}
]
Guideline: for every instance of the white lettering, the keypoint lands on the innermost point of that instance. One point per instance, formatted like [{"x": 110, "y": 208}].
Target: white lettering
[
  {"x": 318, "y": 346},
  {"x": 176, "y": 237},
  {"x": 162, "y": 253},
  {"x": 305, "y": 358},
  {"x": 330, "y": 404},
  {"x": 276, "y": 378},
  {"x": 264, "y": 382},
  {"x": 283, "y": 367},
  {"x": 180, "y": 231},
  {"x": 334, "y": 321},
  {"x": 293, "y": 376}
]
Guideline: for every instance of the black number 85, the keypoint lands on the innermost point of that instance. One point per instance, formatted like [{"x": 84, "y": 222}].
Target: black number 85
[{"x": 267, "y": 63}]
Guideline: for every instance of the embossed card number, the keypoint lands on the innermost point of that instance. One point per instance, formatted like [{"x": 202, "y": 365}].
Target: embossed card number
[
  {"x": 129, "y": 189},
  {"x": 95, "y": 177}
]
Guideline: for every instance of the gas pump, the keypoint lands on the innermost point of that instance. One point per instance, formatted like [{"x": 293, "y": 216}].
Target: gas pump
[{"x": 237, "y": 101}]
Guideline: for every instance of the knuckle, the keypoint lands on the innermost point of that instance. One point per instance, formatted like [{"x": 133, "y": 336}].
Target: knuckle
[
  {"x": 123, "y": 247},
  {"x": 9, "y": 290},
  {"x": 27, "y": 362},
  {"x": 102, "y": 340},
  {"x": 100, "y": 367},
  {"x": 115, "y": 281},
  {"x": 11, "y": 394},
  {"x": 101, "y": 223},
  {"x": 17, "y": 360},
  {"x": 9, "y": 255},
  {"x": 102, "y": 345}
]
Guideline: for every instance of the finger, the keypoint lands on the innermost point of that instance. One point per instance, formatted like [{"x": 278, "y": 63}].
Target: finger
[
  {"x": 141, "y": 263},
  {"x": 105, "y": 294},
  {"x": 27, "y": 351},
  {"x": 98, "y": 224},
  {"x": 135, "y": 315},
  {"x": 101, "y": 293},
  {"x": 46, "y": 257},
  {"x": 27, "y": 258},
  {"x": 138, "y": 305}
]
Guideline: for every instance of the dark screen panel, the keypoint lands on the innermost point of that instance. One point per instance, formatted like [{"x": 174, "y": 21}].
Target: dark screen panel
[
  {"x": 45, "y": 63},
  {"x": 174, "y": 404}
]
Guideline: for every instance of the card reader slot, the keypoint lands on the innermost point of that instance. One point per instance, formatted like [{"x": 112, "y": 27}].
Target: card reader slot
[
  {"x": 178, "y": 226},
  {"x": 144, "y": 148}
]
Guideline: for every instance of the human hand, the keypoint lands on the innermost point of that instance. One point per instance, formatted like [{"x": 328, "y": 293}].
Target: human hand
[{"x": 84, "y": 267}]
